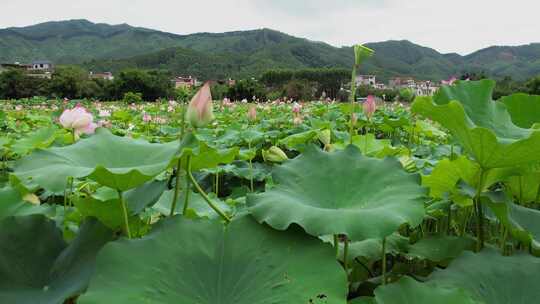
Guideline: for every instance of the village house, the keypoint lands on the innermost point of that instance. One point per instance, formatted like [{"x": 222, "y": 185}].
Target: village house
[
  {"x": 366, "y": 80},
  {"x": 41, "y": 66},
  {"x": 39, "y": 69},
  {"x": 184, "y": 82},
  {"x": 105, "y": 76}
]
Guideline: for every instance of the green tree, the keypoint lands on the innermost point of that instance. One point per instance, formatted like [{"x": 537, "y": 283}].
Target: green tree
[
  {"x": 67, "y": 81},
  {"x": 246, "y": 89},
  {"x": 533, "y": 86}
]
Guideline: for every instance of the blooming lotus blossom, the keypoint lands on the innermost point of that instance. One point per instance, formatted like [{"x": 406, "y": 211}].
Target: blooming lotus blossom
[
  {"x": 298, "y": 120},
  {"x": 252, "y": 113},
  {"x": 78, "y": 120},
  {"x": 369, "y": 106},
  {"x": 450, "y": 81},
  {"x": 200, "y": 111}
]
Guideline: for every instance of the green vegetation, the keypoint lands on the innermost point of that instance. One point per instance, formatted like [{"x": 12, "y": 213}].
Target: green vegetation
[{"x": 245, "y": 54}]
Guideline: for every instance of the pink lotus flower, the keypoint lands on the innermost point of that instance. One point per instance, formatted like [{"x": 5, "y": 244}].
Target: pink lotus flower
[
  {"x": 369, "y": 106},
  {"x": 450, "y": 81},
  {"x": 252, "y": 112},
  {"x": 200, "y": 110},
  {"x": 146, "y": 117},
  {"x": 78, "y": 120},
  {"x": 296, "y": 108}
]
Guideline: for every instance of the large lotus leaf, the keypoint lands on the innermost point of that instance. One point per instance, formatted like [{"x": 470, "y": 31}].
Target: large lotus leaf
[
  {"x": 42, "y": 138},
  {"x": 482, "y": 126},
  {"x": 204, "y": 157},
  {"x": 524, "y": 109},
  {"x": 12, "y": 204},
  {"x": 202, "y": 262},
  {"x": 371, "y": 249},
  {"x": 446, "y": 174},
  {"x": 525, "y": 187},
  {"x": 492, "y": 278},
  {"x": 242, "y": 169},
  {"x": 113, "y": 161},
  {"x": 299, "y": 140},
  {"x": 136, "y": 199},
  {"x": 198, "y": 207},
  {"x": 369, "y": 145},
  {"x": 440, "y": 248},
  {"x": 110, "y": 213},
  {"x": 342, "y": 192},
  {"x": 409, "y": 291},
  {"x": 523, "y": 223},
  {"x": 37, "y": 266}
]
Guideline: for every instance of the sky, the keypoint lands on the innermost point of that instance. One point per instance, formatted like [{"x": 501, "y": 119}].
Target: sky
[{"x": 461, "y": 26}]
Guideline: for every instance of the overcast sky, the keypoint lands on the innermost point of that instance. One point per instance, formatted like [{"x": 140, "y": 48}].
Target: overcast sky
[{"x": 461, "y": 26}]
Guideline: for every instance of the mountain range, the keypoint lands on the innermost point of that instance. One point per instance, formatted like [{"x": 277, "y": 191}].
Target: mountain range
[{"x": 240, "y": 54}]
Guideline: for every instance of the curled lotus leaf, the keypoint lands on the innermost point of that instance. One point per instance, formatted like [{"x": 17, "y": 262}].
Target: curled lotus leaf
[
  {"x": 341, "y": 192},
  {"x": 483, "y": 126}
]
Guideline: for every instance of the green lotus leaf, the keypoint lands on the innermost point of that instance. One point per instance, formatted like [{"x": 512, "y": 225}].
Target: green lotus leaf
[
  {"x": 524, "y": 109},
  {"x": 523, "y": 223},
  {"x": 342, "y": 192},
  {"x": 42, "y": 138},
  {"x": 363, "y": 300},
  {"x": 369, "y": 145},
  {"x": 409, "y": 291},
  {"x": 371, "y": 249},
  {"x": 202, "y": 262},
  {"x": 204, "y": 157},
  {"x": 241, "y": 169},
  {"x": 136, "y": 199},
  {"x": 12, "y": 204},
  {"x": 440, "y": 247},
  {"x": 482, "y": 126},
  {"x": 116, "y": 162},
  {"x": 45, "y": 269},
  {"x": 447, "y": 173},
  {"x": 299, "y": 140},
  {"x": 492, "y": 278}
]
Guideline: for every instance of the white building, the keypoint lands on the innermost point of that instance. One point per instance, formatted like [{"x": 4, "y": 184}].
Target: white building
[{"x": 368, "y": 80}]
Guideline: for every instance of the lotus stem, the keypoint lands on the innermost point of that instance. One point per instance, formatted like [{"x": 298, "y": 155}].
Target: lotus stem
[
  {"x": 353, "y": 99},
  {"x": 176, "y": 187},
  {"x": 206, "y": 198},
  {"x": 188, "y": 187},
  {"x": 250, "y": 171},
  {"x": 479, "y": 213},
  {"x": 384, "y": 261},
  {"x": 124, "y": 210},
  {"x": 345, "y": 256},
  {"x": 216, "y": 181},
  {"x": 336, "y": 245}
]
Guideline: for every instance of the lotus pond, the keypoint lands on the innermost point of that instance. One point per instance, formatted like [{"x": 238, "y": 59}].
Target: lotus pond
[{"x": 433, "y": 202}]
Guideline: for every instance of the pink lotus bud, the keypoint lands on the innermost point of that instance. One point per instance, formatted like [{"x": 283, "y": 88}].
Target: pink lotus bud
[
  {"x": 146, "y": 117},
  {"x": 369, "y": 106},
  {"x": 354, "y": 119},
  {"x": 200, "y": 111},
  {"x": 296, "y": 108},
  {"x": 252, "y": 112}
]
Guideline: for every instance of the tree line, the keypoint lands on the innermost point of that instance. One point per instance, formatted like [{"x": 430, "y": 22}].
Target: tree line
[{"x": 73, "y": 82}]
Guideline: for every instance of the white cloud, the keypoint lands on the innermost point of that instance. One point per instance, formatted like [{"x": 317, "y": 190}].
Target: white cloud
[{"x": 449, "y": 26}]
